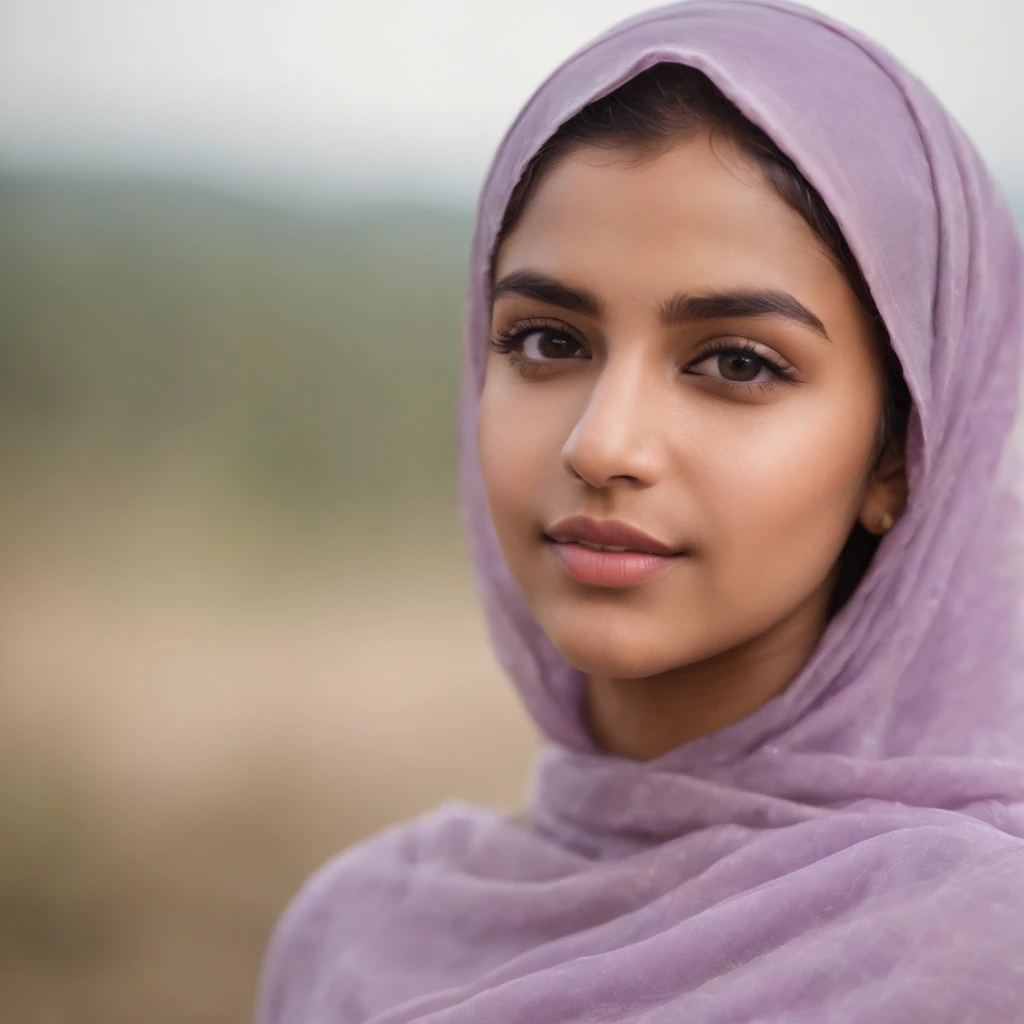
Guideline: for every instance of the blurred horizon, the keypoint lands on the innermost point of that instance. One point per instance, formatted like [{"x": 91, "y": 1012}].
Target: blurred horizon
[{"x": 362, "y": 102}]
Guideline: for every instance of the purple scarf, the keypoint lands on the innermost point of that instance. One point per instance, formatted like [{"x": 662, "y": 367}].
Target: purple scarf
[{"x": 853, "y": 850}]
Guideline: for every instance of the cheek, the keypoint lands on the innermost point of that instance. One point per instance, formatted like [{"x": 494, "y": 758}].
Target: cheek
[
  {"x": 783, "y": 493},
  {"x": 519, "y": 441}
]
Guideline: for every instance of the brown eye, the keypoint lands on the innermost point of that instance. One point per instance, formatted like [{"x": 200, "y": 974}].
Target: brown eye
[
  {"x": 740, "y": 370},
  {"x": 547, "y": 344},
  {"x": 739, "y": 366}
]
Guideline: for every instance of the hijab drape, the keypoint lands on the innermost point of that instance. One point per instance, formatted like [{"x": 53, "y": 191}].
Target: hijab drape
[{"x": 853, "y": 850}]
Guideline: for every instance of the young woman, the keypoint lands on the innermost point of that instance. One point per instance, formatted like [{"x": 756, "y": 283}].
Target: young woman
[{"x": 742, "y": 358}]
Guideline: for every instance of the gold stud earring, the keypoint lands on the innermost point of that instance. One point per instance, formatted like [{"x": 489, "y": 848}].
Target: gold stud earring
[{"x": 884, "y": 523}]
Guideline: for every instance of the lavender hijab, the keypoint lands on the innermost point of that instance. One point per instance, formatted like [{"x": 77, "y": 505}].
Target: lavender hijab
[{"x": 853, "y": 850}]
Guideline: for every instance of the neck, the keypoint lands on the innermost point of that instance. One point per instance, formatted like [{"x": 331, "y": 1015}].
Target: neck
[{"x": 645, "y": 718}]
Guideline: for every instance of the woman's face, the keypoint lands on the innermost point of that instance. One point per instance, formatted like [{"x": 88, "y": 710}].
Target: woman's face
[{"x": 674, "y": 349}]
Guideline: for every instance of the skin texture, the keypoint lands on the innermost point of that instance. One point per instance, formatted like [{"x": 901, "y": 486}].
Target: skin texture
[{"x": 617, "y": 414}]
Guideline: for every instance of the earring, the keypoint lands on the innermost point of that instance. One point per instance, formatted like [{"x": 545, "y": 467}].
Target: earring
[{"x": 884, "y": 523}]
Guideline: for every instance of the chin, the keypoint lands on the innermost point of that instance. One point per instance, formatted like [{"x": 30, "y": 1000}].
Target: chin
[{"x": 601, "y": 652}]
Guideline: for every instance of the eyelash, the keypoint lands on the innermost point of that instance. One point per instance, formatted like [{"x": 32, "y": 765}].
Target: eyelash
[
  {"x": 505, "y": 342},
  {"x": 780, "y": 374}
]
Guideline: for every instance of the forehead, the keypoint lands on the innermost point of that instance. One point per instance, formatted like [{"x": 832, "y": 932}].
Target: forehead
[{"x": 698, "y": 215}]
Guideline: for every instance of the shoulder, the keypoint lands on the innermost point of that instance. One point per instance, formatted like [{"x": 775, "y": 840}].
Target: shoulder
[{"x": 343, "y": 899}]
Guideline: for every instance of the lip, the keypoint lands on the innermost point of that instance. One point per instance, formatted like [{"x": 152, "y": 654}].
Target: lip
[
  {"x": 646, "y": 558},
  {"x": 609, "y": 532}
]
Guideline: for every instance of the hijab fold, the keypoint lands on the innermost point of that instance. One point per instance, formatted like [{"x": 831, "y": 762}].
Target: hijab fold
[{"x": 853, "y": 850}]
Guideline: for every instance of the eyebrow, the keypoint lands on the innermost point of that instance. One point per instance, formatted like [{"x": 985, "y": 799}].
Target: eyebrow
[
  {"x": 531, "y": 285},
  {"x": 744, "y": 302}
]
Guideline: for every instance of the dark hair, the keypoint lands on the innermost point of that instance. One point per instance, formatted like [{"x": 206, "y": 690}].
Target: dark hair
[{"x": 668, "y": 103}]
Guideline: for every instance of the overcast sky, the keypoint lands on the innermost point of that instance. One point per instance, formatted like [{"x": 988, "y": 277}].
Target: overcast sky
[{"x": 369, "y": 96}]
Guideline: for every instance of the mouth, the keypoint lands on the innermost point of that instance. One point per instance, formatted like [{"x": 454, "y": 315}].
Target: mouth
[
  {"x": 604, "y": 547},
  {"x": 607, "y": 535},
  {"x": 609, "y": 552},
  {"x": 613, "y": 566}
]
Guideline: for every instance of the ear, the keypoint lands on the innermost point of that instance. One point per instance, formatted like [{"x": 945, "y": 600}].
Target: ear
[{"x": 886, "y": 494}]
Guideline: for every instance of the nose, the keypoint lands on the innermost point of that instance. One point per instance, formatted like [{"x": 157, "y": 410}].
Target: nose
[{"x": 619, "y": 434}]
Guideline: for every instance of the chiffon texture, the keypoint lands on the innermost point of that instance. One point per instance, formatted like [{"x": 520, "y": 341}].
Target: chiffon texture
[{"x": 853, "y": 850}]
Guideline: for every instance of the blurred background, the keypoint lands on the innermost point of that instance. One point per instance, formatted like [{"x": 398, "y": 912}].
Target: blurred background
[{"x": 238, "y": 627}]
